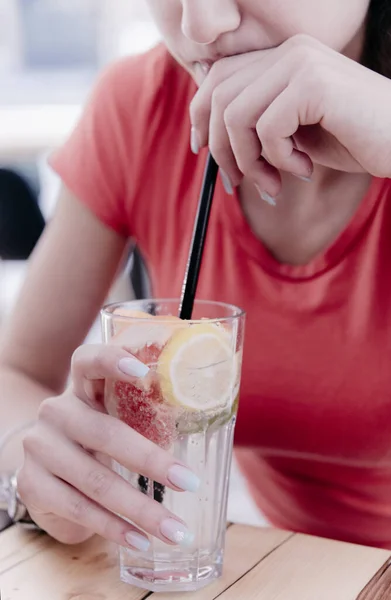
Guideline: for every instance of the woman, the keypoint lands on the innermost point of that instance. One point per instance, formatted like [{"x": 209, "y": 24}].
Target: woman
[{"x": 293, "y": 117}]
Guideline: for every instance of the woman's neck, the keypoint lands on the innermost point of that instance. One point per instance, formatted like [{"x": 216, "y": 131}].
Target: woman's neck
[{"x": 308, "y": 216}]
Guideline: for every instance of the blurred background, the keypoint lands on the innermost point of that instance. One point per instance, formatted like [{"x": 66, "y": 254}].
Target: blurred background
[{"x": 51, "y": 52}]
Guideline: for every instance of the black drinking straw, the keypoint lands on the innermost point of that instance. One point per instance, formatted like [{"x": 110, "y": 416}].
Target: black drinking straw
[{"x": 190, "y": 281}]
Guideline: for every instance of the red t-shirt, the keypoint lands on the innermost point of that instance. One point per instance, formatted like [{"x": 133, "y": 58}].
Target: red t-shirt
[{"x": 315, "y": 412}]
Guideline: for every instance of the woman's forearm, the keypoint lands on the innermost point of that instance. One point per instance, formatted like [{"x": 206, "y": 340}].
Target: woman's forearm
[{"x": 20, "y": 398}]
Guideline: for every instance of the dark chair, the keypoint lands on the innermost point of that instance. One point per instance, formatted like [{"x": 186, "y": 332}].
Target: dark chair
[
  {"x": 139, "y": 278},
  {"x": 21, "y": 220}
]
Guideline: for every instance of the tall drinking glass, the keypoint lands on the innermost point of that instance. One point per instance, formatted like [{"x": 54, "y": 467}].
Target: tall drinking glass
[{"x": 187, "y": 404}]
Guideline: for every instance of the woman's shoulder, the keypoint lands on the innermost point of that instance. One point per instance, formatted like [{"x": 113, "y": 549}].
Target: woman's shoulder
[{"x": 138, "y": 103}]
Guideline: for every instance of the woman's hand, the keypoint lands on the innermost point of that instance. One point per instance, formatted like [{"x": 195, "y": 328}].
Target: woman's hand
[
  {"x": 68, "y": 491},
  {"x": 287, "y": 108}
]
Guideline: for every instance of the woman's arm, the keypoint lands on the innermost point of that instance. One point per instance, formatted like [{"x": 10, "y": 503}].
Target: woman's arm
[
  {"x": 69, "y": 276},
  {"x": 70, "y": 493}
]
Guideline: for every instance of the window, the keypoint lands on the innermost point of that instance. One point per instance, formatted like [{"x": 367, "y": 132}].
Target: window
[
  {"x": 59, "y": 33},
  {"x": 51, "y": 50}
]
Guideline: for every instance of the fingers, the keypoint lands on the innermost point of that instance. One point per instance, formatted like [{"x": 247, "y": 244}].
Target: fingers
[
  {"x": 275, "y": 129},
  {"x": 219, "y": 141},
  {"x": 253, "y": 110},
  {"x": 201, "y": 106},
  {"x": 96, "y": 482},
  {"x": 252, "y": 133},
  {"x": 111, "y": 437},
  {"x": 67, "y": 515},
  {"x": 92, "y": 364}
]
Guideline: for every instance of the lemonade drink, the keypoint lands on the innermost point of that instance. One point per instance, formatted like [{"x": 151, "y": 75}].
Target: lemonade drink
[{"x": 187, "y": 404}]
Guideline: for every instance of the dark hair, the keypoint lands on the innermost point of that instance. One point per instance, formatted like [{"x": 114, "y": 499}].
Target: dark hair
[{"x": 377, "y": 47}]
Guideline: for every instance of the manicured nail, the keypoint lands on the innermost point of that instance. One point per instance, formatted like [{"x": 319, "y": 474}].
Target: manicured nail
[
  {"x": 226, "y": 183},
  {"x": 205, "y": 66},
  {"x": 137, "y": 541},
  {"x": 183, "y": 478},
  {"x": 133, "y": 367},
  {"x": 176, "y": 532},
  {"x": 306, "y": 179},
  {"x": 266, "y": 197},
  {"x": 194, "y": 141},
  {"x": 200, "y": 71}
]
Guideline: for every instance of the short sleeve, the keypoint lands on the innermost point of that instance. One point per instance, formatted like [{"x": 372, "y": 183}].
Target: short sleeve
[{"x": 100, "y": 161}]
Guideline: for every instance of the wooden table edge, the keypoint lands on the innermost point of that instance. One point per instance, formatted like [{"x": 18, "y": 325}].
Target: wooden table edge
[{"x": 379, "y": 587}]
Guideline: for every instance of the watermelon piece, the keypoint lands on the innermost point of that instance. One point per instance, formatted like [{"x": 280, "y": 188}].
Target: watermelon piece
[
  {"x": 144, "y": 411},
  {"x": 149, "y": 355}
]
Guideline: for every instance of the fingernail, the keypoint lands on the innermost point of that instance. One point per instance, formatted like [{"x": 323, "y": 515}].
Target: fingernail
[
  {"x": 200, "y": 72},
  {"x": 266, "y": 197},
  {"x": 183, "y": 478},
  {"x": 137, "y": 541},
  {"x": 176, "y": 532},
  {"x": 133, "y": 367},
  {"x": 306, "y": 179},
  {"x": 194, "y": 141},
  {"x": 226, "y": 183}
]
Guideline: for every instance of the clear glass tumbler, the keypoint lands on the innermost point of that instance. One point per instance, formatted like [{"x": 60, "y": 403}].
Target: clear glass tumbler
[{"x": 187, "y": 404}]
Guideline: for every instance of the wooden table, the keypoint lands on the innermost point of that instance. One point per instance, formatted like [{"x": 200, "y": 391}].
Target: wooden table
[{"x": 261, "y": 564}]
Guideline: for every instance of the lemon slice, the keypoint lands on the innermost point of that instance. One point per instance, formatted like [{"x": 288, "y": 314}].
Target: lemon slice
[{"x": 197, "y": 369}]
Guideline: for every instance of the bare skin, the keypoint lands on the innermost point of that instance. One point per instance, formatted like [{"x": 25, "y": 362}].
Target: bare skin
[
  {"x": 34, "y": 363},
  {"x": 262, "y": 36},
  {"x": 241, "y": 53}
]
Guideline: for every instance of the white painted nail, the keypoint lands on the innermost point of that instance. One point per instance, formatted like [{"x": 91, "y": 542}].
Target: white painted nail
[
  {"x": 176, "y": 532},
  {"x": 266, "y": 197},
  {"x": 133, "y": 367},
  {"x": 205, "y": 66},
  {"x": 137, "y": 541},
  {"x": 194, "y": 141},
  {"x": 183, "y": 478},
  {"x": 200, "y": 73},
  {"x": 306, "y": 179},
  {"x": 226, "y": 183}
]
